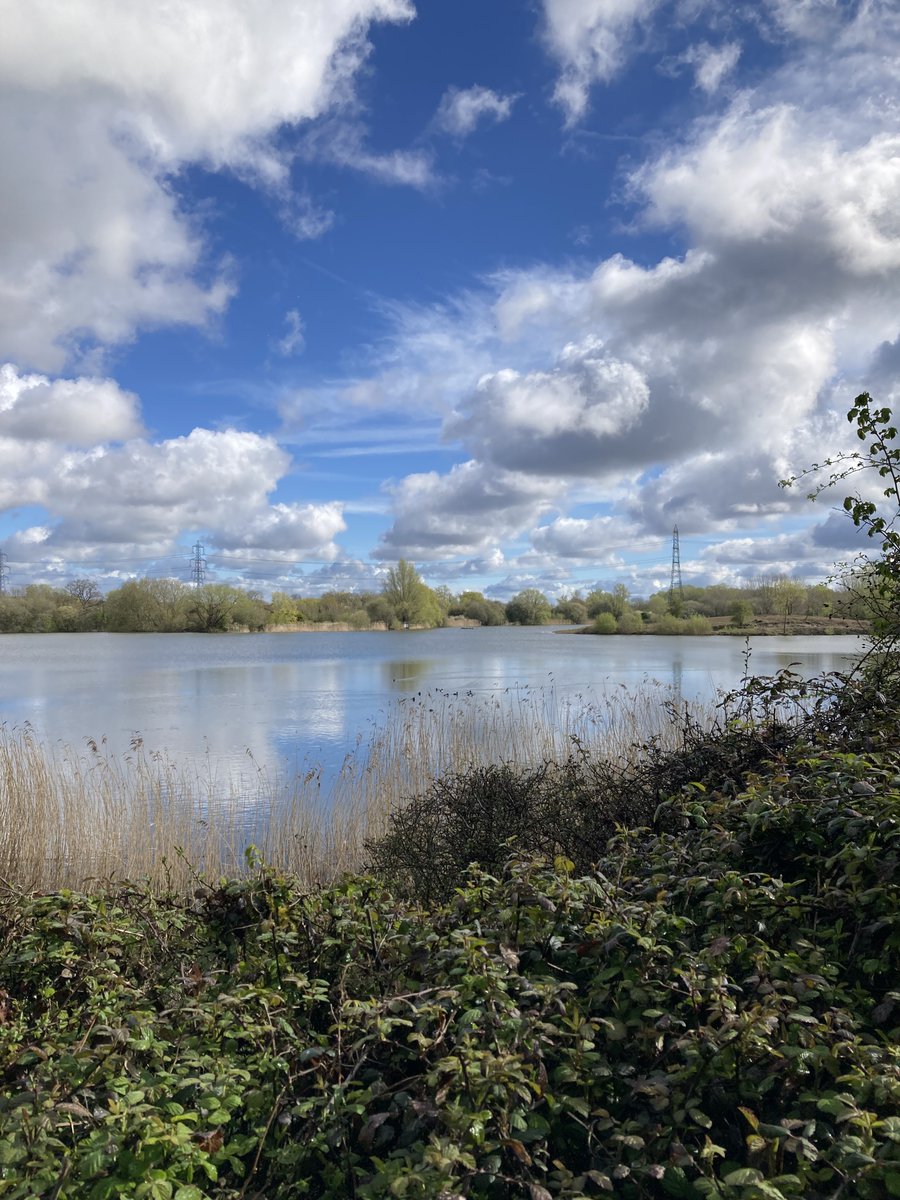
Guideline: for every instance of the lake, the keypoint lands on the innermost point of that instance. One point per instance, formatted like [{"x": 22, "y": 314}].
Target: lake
[{"x": 284, "y": 701}]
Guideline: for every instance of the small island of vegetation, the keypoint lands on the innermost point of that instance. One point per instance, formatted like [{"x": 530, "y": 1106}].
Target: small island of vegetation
[{"x": 673, "y": 974}]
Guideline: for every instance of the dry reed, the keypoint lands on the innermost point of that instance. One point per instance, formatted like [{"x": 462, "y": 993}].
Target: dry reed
[{"x": 70, "y": 817}]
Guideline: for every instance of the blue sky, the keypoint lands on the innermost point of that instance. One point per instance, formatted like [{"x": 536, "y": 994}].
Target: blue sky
[{"x": 507, "y": 289}]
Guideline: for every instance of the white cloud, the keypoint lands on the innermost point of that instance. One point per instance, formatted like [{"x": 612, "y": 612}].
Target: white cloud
[
  {"x": 594, "y": 539},
  {"x": 558, "y": 421},
  {"x": 141, "y": 497},
  {"x": 78, "y": 412},
  {"x": 461, "y": 110},
  {"x": 94, "y": 243},
  {"x": 101, "y": 103},
  {"x": 711, "y": 64},
  {"x": 731, "y": 185},
  {"x": 342, "y": 143},
  {"x": 469, "y": 511},
  {"x": 737, "y": 359},
  {"x": 590, "y": 39},
  {"x": 209, "y": 80},
  {"x": 294, "y": 339}
]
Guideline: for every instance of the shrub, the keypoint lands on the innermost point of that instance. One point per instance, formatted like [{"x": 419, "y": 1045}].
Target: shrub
[{"x": 604, "y": 622}]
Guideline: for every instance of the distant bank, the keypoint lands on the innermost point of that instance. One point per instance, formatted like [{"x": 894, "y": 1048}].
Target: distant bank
[{"x": 757, "y": 626}]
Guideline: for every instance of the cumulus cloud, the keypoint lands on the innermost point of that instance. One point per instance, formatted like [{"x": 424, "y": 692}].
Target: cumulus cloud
[
  {"x": 461, "y": 110},
  {"x": 141, "y": 497},
  {"x": 465, "y": 512},
  {"x": 594, "y": 539},
  {"x": 209, "y": 80},
  {"x": 685, "y": 389},
  {"x": 100, "y": 105},
  {"x": 840, "y": 199},
  {"x": 78, "y": 412},
  {"x": 555, "y": 421}
]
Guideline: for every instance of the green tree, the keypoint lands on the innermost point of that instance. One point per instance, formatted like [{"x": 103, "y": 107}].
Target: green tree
[
  {"x": 572, "y": 609},
  {"x": 411, "y": 601},
  {"x": 148, "y": 606},
  {"x": 629, "y": 622},
  {"x": 283, "y": 609},
  {"x": 741, "y": 612},
  {"x": 215, "y": 608},
  {"x": 529, "y": 607},
  {"x": 619, "y": 600},
  {"x": 790, "y": 595},
  {"x": 477, "y": 607}
]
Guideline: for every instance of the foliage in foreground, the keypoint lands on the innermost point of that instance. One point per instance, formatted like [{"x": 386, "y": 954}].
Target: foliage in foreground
[
  {"x": 711, "y": 1012},
  {"x": 572, "y": 808}
]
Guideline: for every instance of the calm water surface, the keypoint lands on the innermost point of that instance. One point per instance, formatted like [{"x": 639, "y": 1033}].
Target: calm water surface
[{"x": 292, "y": 700}]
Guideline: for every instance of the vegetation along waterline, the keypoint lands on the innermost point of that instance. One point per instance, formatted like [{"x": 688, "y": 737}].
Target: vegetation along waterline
[
  {"x": 672, "y": 973},
  {"x": 766, "y": 604},
  {"x": 70, "y": 815}
]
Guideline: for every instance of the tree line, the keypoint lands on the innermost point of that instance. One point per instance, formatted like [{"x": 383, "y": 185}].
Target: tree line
[{"x": 405, "y": 601}]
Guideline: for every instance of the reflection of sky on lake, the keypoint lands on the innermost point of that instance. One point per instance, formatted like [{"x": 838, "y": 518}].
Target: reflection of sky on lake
[{"x": 283, "y": 702}]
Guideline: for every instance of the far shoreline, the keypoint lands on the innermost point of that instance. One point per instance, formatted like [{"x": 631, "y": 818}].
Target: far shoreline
[{"x": 765, "y": 627}]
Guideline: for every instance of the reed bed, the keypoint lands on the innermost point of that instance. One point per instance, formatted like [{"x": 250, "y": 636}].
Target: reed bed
[{"x": 71, "y": 816}]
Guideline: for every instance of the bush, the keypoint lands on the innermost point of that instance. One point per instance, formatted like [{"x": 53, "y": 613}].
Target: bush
[
  {"x": 695, "y": 626},
  {"x": 477, "y": 816},
  {"x": 572, "y": 808},
  {"x": 630, "y": 622},
  {"x": 604, "y": 622}
]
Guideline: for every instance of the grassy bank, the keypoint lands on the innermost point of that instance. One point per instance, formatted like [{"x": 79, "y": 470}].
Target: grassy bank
[
  {"x": 757, "y": 626},
  {"x": 710, "y": 1010}
]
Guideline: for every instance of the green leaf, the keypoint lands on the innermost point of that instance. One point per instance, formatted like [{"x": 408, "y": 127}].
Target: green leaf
[{"x": 743, "y": 1177}]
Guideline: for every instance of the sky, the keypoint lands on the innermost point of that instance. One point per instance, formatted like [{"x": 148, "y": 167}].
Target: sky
[{"x": 507, "y": 288}]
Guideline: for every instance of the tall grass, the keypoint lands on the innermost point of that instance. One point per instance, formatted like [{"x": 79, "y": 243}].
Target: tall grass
[{"x": 69, "y": 816}]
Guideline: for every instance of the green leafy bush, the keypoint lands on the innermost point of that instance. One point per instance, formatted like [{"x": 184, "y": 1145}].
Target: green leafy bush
[{"x": 712, "y": 1011}]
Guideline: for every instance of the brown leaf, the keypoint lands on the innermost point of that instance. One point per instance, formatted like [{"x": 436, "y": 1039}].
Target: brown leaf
[
  {"x": 719, "y": 945},
  {"x": 209, "y": 1140},
  {"x": 510, "y": 957},
  {"x": 536, "y": 1192},
  {"x": 74, "y": 1110},
  {"x": 518, "y": 1150},
  {"x": 371, "y": 1127},
  {"x": 192, "y": 978}
]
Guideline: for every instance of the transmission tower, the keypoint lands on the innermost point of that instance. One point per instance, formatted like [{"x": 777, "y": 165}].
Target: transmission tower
[
  {"x": 676, "y": 591},
  {"x": 198, "y": 565},
  {"x": 4, "y": 572}
]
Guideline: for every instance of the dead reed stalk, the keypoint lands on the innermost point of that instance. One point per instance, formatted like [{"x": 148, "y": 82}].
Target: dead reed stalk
[{"x": 69, "y": 817}]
